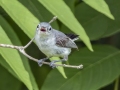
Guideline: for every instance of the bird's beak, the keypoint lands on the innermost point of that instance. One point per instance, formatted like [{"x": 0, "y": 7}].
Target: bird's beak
[{"x": 43, "y": 29}]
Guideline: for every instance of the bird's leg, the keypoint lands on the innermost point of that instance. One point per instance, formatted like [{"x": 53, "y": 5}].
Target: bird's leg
[
  {"x": 52, "y": 63},
  {"x": 40, "y": 62}
]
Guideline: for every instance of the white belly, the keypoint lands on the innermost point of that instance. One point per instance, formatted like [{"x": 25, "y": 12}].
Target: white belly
[
  {"x": 49, "y": 48},
  {"x": 55, "y": 51}
]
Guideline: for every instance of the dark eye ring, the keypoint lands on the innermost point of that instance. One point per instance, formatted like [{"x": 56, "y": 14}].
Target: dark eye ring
[{"x": 37, "y": 26}]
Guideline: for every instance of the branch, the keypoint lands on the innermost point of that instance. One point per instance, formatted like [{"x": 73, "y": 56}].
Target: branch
[{"x": 22, "y": 50}]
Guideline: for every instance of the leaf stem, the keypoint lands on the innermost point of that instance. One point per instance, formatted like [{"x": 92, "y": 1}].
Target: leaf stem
[{"x": 116, "y": 87}]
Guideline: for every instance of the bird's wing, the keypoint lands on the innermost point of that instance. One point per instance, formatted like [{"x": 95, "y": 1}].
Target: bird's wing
[{"x": 63, "y": 41}]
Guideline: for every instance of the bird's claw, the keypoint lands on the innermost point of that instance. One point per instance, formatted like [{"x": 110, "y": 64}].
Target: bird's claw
[
  {"x": 40, "y": 62},
  {"x": 52, "y": 64}
]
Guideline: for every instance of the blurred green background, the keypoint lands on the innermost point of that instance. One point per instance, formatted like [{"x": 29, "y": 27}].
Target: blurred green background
[{"x": 97, "y": 22}]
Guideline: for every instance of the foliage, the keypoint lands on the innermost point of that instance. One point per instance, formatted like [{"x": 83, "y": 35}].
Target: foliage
[{"x": 97, "y": 21}]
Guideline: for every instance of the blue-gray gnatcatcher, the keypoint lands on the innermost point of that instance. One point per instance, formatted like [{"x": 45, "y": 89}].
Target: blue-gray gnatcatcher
[{"x": 52, "y": 43}]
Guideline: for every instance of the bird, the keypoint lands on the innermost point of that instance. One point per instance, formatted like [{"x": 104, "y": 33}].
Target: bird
[{"x": 54, "y": 43}]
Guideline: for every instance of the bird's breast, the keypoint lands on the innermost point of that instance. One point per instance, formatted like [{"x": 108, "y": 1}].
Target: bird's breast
[
  {"x": 49, "y": 47},
  {"x": 45, "y": 44}
]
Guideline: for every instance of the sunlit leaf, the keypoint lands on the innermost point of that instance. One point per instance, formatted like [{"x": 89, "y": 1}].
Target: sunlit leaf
[
  {"x": 21, "y": 15},
  {"x": 67, "y": 18},
  {"x": 14, "y": 39},
  {"x": 14, "y": 60},
  {"x": 60, "y": 69},
  {"x": 101, "y": 6}
]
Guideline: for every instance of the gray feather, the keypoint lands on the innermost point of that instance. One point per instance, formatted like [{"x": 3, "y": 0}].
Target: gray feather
[{"x": 63, "y": 41}]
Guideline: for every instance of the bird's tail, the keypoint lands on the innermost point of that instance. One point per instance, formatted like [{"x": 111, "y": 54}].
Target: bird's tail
[{"x": 73, "y": 37}]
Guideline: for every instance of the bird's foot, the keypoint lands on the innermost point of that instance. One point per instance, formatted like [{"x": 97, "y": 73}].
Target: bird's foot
[
  {"x": 40, "y": 62},
  {"x": 52, "y": 64}
]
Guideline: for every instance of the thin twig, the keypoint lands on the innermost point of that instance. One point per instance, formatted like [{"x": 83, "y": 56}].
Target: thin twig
[
  {"x": 29, "y": 43},
  {"x": 22, "y": 50},
  {"x": 53, "y": 19}
]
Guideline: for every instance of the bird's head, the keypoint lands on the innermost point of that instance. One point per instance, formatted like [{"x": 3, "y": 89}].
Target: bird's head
[{"x": 44, "y": 29}]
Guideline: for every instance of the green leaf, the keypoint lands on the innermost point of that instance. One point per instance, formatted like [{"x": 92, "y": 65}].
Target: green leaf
[
  {"x": 101, "y": 6},
  {"x": 7, "y": 66},
  {"x": 6, "y": 78},
  {"x": 60, "y": 69},
  {"x": 96, "y": 24},
  {"x": 39, "y": 11},
  {"x": 14, "y": 39},
  {"x": 27, "y": 67},
  {"x": 21, "y": 15},
  {"x": 14, "y": 60},
  {"x": 114, "y": 26},
  {"x": 24, "y": 13},
  {"x": 91, "y": 20},
  {"x": 71, "y": 4},
  {"x": 100, "y": 68},
  {"x": 67, "y": 18}
]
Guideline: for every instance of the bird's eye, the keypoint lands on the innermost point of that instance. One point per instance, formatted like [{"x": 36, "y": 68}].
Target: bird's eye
[
  {"x": 50, "y": 28},
  {"x": 37, "y": 26}
]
